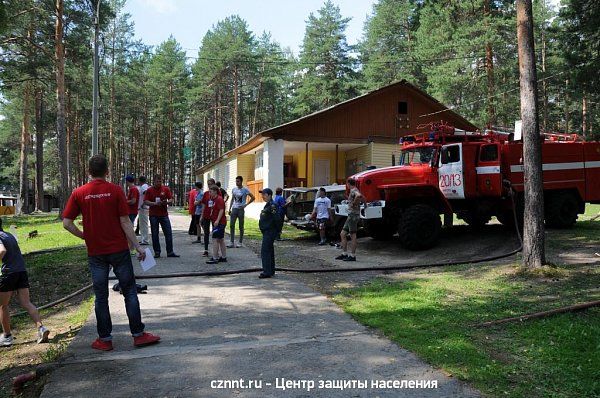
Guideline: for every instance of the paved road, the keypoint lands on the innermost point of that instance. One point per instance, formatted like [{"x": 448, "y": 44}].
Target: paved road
[{"x": 232, "y": 328}]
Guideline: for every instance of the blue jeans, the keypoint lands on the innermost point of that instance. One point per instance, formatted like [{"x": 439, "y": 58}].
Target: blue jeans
[
  {"x": 165, "y": 224},
  {"x": 123, "y": 269}
]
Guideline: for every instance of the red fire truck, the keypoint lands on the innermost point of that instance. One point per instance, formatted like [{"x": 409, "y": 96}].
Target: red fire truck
[{"x": 446, "y": 172}]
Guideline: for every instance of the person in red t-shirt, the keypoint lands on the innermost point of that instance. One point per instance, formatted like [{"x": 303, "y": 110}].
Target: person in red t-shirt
[
  {"x": 133, "y": 197},
  {"x": 193, "y": 229},
  {"x": 216, "y": 206},
  {"x": 158, "y": 197},
  {"x": 108, "y": 234},
  {"x": 205, "y": 214}
]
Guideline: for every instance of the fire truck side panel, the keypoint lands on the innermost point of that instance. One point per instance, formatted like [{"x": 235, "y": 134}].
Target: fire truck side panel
[
  {"x": 563, "y": 166},
  {"x": 592, "y": 171},
  {"x": 470, "y": 152},
  {"x": 489, "y": 177}
]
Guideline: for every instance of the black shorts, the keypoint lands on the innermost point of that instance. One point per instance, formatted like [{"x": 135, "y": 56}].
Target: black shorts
[
  {"x": 218, "y": 231},
  {"x": 322, "y": 223},
  {"x": 14, "y": 281}
]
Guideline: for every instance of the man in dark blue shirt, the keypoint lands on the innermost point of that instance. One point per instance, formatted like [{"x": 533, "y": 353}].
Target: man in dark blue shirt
[
  {"x": 14, "y": 278},
  {"x": 269, "y": 225}
]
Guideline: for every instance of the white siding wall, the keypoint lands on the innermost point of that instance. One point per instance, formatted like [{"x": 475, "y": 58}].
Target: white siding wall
[{"x": 224, "y": 171}]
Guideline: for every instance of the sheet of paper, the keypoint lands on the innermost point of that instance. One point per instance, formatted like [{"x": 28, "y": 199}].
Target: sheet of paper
[{"x": 149, "y": 261}]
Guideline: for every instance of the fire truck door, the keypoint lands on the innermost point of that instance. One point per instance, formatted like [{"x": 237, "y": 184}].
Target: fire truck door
[
  {"x": 489, "y": 178},
  {"x": 451, "y": 176}
]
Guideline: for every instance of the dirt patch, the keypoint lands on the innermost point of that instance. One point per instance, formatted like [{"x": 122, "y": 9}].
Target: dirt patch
[{"x": 25, "y": 355}]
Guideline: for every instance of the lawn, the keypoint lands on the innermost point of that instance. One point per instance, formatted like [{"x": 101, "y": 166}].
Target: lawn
[
  {"x": 50, "y": 232},
  {"x": 432, "y": 313},
  {"x": 252, "y": 231}
]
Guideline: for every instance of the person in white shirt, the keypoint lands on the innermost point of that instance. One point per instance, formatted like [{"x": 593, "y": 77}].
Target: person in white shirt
[
  {"x": 143, "y": 211},
  {"x": 236, "y": 209},
  {"x": 322, "y": 213}
]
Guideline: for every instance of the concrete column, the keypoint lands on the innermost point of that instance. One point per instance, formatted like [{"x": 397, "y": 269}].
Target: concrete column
[{"x": 273, "y": 164}]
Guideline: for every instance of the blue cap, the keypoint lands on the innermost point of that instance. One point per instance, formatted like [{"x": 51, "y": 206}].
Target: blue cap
[
  {"x": 130, "y": 178},
  {"x": 268, "y": 191}
]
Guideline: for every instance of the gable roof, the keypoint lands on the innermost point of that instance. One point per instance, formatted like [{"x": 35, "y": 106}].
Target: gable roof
[{"x": 278, "y": 132}]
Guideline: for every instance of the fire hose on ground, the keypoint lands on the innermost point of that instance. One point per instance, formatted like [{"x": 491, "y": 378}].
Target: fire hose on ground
[{"x": 19, "y": 381}]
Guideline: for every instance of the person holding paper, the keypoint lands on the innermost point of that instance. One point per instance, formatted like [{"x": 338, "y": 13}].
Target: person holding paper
[
  {"x": 108, "y": 235},
  {"x": 158, "y": 197}
]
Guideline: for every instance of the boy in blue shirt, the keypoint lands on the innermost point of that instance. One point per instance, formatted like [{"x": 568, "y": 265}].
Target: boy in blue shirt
[{"x": 281, "y": 205}]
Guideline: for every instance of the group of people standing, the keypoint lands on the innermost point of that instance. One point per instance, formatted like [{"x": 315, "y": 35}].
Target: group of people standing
[
  {"x": 209, "y": 219},
  {"x": 108, "y": 218}
]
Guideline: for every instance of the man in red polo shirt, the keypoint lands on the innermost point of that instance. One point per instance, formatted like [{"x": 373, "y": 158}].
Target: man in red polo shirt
[
  {"x": 108, "y": 235},
  {"x": 158, "y": 197},
  {"x": 133, "y": 197}
]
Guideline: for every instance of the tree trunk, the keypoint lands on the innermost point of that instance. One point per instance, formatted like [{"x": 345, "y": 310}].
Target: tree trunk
[
  {"x": 23, "y": 201},
  {"x": 258, "y": 92},
  {"x": 567, "y": 106},
  {"x": 59, "y": 58},
  {"x": 544, "y": 82},
  {"x": 533, "y": 232},
  {"x": 584, "y": 115},
  {"x": 489, "y": 68},
  {"x": 236, "y": 107},
  {"x": 39, "y": 151}
]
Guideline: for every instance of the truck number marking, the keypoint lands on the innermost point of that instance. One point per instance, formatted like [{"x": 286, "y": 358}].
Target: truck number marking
[{"x": 450, "y": 180}]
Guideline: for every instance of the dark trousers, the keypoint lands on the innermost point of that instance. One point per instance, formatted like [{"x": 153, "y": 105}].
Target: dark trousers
[
  {"x": 193, "y": 225},
  {"x": 123, "y": 269},
  {"x": 282, "y": 217},
  {"x": 132, "y": 217},
  {"x": 165, "y": 224},
  {"x": 267, "y": 252},
  {"x": 206, "y": 232}
]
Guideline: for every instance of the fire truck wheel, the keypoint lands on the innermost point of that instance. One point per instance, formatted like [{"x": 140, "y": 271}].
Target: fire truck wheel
[
  {"x": 419, "y": 227},
  {"x": 379, "y": 230},
  {"x": 561, "y": 210}
]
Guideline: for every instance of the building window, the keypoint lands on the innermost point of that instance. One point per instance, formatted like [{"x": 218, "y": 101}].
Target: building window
[{"x": 403, "y": 108}]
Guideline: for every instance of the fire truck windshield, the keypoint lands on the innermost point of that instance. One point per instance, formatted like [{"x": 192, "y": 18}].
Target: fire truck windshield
[{"x": 416, "y": 156}]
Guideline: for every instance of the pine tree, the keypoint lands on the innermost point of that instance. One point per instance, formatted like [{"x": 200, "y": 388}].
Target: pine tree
[
  {"x": 328, "y": 71},
  {"x": 389, "y": 40}
]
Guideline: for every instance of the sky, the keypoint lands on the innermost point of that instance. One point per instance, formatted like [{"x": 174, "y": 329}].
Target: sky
[{"x": 189, "y": 20}]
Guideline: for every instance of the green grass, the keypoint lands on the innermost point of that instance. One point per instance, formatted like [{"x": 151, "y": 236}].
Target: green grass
[
  {"x": 252, "y": 231},
  {"x": 51, "y": 233},
  {"x": 432, "y": 315}
]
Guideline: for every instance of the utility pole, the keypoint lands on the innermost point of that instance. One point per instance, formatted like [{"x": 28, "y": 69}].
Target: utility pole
[
  {"x": 533, "y": 230},
  {"x": 96, "y": 83}
]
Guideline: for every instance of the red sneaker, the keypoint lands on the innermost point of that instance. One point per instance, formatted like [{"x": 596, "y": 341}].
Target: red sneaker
[
  {"x": 145, "y": 339},
  {"x": 102, "y": 345}
]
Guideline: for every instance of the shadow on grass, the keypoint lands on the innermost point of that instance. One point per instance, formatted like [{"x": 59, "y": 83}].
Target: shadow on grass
[{"x": 433, "y": 316}]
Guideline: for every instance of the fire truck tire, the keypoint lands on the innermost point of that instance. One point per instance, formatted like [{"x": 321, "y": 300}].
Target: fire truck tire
[
  {"x": 419, "y": 227},
  {"x": 561, "y": 210},
  {"x": 380, "y": 230}
]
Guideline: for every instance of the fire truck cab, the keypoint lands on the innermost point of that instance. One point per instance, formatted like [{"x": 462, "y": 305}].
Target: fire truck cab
[{"x": 446, "y": 172}]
